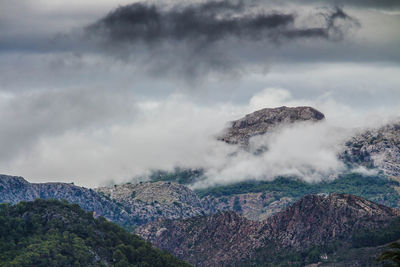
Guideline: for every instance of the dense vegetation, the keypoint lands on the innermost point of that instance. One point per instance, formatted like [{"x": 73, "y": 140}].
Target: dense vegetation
[
  {"x": 377, "y": 237},
  {"x": 178, "y": 175},
  {"x": 374, "y": 188},
  {"x": 391, "y": 256},
  {"x": 337, "y": 253},
  {"x": 55, "y": 233}
]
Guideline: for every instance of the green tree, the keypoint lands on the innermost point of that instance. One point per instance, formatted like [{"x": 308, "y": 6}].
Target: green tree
[{"x": 392, "y": 254}]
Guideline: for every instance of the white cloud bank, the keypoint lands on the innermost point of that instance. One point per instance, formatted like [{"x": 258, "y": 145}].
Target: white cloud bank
[{"x": 138, "y": 136}]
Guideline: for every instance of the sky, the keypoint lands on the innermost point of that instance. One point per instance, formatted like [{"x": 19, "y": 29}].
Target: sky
[{"x": 94, "y": 92}]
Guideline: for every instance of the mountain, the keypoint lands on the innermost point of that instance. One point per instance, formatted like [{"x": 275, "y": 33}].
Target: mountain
[
  {"x": 278, "y": 193},
  {"x": 253, "y": 206},
  {"x": 14, "y": 189},
  {"x": 128, "y": 205},
  {"x": 149, "y": 201},
  {"x": 376, "y": 148},
  {"x": 54, "y": 233},
  {"x": 373, "y": 148},
  {"x": 131, "y": 205},
  {"x": 314, "y": 221},
  {"x": 206, "y": 240},
  {"x": 318, "y": 219},
  {"x": 264, "y": 120}
]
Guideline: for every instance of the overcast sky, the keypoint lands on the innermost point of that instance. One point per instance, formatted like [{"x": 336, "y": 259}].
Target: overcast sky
[{"x": 105, "y": 90}]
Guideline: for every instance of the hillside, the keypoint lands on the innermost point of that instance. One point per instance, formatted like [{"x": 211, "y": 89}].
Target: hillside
[
  {"x": 313, "y": 222},
  {"x": 128, "y": 205},
  {"x": 14, "y": 189},
  {"x": 131, "y": 205},
  {"x": 54, "y": 233},
  {"x": 149, "y": 201}
]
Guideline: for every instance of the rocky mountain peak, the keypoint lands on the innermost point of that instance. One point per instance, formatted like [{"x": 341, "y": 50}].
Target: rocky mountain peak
[{"x": 264, "y": 120}]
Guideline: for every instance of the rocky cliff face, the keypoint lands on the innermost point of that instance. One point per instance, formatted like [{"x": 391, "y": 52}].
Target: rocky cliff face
[
  {"x": 319, "y": 219},
  {"x": 149, "y": 201},
  {"x": 378, "y": 148},
  {"x": 264, "y": 120},
  {"x": 227, "y": 238},
  {"x": 253, "y": 206},
  {"x": 15, "y": 189},
  {"x": 127, "y": 205},
  {"x": 214, "y": 240}
]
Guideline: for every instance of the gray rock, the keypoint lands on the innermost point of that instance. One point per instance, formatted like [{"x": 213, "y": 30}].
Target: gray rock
[
  {"x": 150, "y": 201},
  {"x": 264, "y": 120},
  {"x": 14, "y": 189},
  {"x": 376, "y": 148}
]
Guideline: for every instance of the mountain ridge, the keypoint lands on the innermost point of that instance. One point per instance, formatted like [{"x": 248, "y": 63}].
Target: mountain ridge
[{"x": 297, "y": 227}]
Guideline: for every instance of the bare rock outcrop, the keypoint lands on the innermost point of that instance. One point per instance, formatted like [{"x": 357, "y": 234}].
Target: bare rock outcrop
[
  {"x": 319, "y": 219},
  {"x": 377, "y": 148},
  {"x": 264, "y": 120},
  {"x": 14, "y": 189},
  {"x": 151, "y": 200}
]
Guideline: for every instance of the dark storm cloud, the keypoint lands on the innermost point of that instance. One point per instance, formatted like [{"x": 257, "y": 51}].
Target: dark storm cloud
[{"x": 209, "y": 22}]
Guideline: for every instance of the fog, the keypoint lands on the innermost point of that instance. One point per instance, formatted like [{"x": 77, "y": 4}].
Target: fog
[{"x": 177, "y": 132}]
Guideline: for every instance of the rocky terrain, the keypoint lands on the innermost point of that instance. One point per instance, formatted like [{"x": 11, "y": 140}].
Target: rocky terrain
[
  {"x": 14, "y": 189},
  {"x": 264, "y": 120},
  {"x": 149, "y": 201},
  {"x": 230, "y": 239},
  {"x": 253, "y": 206},
  {"x": 214, "y": 240},
  {"x": 374, "y": 148},
  {"x": 137, "y": 204},
  {"x": 318, "y": 219},
  {"x": 127, "y": 205},
  {"x": 378, "y": 148}
]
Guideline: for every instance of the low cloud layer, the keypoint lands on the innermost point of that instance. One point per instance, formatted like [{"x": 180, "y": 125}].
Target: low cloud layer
[{"x": 175, "y": 132}]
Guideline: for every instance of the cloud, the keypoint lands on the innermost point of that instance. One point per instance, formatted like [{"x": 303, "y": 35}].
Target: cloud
[
  {"x": 305, "y": 150},
  {"x": 173, "y": 132},
  {"x": 192, "y": 39},
  {"x": 92, "y": 139},
  {"x": 87, "y": 110},
  {"x": 224, "y": 40},
  {"x": 205, "y": 23},
  {"x": 28, "y": 117},
  {"x": 383, "y": 4}
]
